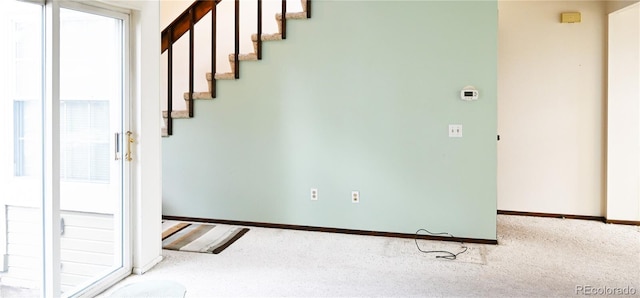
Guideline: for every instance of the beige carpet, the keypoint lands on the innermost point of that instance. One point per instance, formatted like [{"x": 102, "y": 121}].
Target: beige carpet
[
  {"x": 151, "y": 289},
  {"x": 536, "y": 257}
]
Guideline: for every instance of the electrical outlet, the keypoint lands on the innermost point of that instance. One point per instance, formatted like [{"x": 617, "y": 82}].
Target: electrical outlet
[
  {"x": 455, "y": 130},
  {"x": 314, "y": 194},
  {"x": 355, "y": 196}
]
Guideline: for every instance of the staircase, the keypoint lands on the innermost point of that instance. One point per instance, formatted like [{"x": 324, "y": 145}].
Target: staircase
[{"x": 185, "y": 24}]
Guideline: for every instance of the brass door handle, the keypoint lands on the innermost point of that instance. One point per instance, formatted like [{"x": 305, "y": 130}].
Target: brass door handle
[{"x": 130, "y": 140}]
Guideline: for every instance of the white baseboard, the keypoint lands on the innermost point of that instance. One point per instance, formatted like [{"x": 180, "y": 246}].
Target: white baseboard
[{"x": 141, "y": 270}]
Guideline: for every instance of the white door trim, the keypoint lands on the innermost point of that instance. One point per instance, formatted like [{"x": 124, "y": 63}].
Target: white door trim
[{"x": 51, "y": 162}]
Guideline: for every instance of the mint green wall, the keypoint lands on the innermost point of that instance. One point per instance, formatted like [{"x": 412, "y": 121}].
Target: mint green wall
[{"x": 357, "y": 98}]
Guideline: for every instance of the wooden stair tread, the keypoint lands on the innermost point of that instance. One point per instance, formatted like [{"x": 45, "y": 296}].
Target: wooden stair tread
[
  {"x": 179, "y": 114},
  {"x": 198, "y": 95},
  {"x": 267, "y": 37},
  {"x": 222, "y": 76},
  {"x": 244, "y": 57},
  {"x": 292, "y": 15}
]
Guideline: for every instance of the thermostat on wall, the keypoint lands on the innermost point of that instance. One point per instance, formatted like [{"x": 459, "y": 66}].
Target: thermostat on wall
[{"x": 469, "y": 93}]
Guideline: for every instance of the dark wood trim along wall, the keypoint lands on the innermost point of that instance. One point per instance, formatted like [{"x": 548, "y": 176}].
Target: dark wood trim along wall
[
  {"x": 571, "y": 216},
  {"x": 397, "y": 235},
  {"x": 330, "y": 230},
  {"x": 623, "y": 222}
]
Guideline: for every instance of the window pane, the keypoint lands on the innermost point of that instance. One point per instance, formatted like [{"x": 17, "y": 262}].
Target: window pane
[
  {"x": 84, "y": 139},
  {"x": 99, "y": 162}
]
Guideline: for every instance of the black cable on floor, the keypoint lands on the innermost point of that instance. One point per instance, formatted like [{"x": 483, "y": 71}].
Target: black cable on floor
[{"x": 447, "y": 254}]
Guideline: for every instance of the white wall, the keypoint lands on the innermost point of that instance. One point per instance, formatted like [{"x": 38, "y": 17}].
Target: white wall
[
  {"x": 551, "y": 107},
  {"x": 623, "y": 167},
  {"x": 147, "y": 209}
]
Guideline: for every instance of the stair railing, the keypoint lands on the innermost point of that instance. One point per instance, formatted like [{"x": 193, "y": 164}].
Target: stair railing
[{"x": 186, "y": 21}]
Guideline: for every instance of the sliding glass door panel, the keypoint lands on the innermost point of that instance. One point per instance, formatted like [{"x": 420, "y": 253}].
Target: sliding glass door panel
[
  {"x": 63, "y": 118},
  {"x": 92, "y": 169}
]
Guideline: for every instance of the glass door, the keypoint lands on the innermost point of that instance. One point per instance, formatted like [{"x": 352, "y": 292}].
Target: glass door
[
  {"x": 93, "y": 168},
  {"x": 64, "y": 175}
]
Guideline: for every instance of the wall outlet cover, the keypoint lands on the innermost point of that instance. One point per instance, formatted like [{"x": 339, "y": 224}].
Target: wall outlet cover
[
  {"x": 455, "y": 130},
  {"x": 355, "y": 196}
]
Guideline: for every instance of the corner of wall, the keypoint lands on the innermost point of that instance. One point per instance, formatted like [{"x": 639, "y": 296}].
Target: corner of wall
[{"x": 147, "y": 168}]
